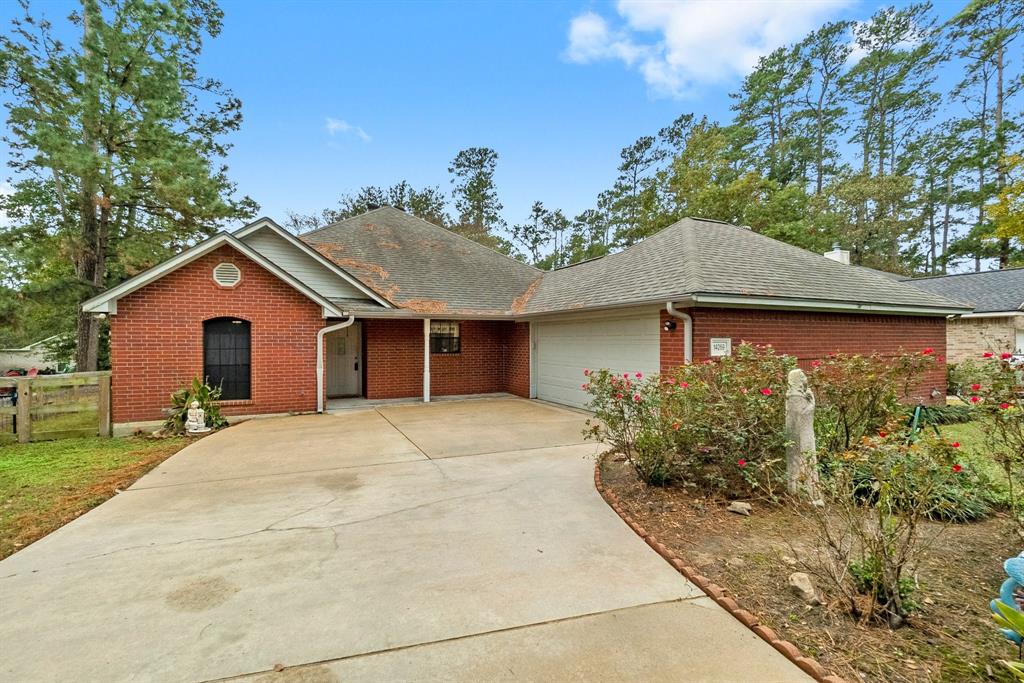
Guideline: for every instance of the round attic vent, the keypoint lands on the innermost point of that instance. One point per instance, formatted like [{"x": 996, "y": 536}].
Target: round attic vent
[{"x": 227, "y": 274}]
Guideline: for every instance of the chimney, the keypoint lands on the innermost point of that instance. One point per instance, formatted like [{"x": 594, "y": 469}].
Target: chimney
[{"x": 838, "y": 255}]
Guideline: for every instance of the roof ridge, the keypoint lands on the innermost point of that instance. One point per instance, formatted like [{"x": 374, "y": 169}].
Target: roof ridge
[
  {"x": 434, "y": 226},
  {"x": 970, "y": 272}
]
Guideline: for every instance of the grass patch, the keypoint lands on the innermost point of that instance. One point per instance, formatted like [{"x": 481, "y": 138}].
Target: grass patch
[
  {"x": 45, "y": 485},
  {"x": 976, "y": 457}
]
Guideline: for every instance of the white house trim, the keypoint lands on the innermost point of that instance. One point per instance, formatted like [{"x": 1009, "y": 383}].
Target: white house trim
[
  {"x": 107, "y": 301},
  {"x": 263, "y": 223}
]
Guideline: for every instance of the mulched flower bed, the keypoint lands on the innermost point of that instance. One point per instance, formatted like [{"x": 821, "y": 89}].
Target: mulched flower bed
[{"x": 951, "y": 638}]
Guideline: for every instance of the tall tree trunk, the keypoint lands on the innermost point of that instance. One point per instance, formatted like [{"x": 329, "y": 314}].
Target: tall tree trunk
[
  {"x": 931, "y": 225},
  {"x": 997, "y": 120},
  {"x": 945, "y": 222}
]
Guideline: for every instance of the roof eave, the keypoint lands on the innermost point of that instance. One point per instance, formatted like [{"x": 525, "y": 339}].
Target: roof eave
[
  {"x": 106, "y": 302},
  {"x": 824, "y": 305}
]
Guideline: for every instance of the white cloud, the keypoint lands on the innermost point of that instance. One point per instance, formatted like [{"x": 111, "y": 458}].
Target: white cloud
[
  {"x": 335, "y": 126},
  {"x": 678, "y": 46}
]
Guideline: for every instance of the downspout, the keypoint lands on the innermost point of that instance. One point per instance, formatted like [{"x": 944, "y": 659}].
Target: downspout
[
  {"x": 320, "y": 358},
  {"x": 687, "y": 330}
]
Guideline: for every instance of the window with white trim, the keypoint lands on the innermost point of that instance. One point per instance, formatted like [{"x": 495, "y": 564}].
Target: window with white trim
[{"x": 444, "y": 336}]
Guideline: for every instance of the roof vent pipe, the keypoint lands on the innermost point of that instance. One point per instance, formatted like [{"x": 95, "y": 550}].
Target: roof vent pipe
[
  {"x": 838, "y": 255},
  {"x": 687, "y": 330}
]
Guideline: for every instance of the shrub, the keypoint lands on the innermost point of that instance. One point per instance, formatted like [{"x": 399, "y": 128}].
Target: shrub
[
  {"x": 182, "y": 399},
  {"x": 718, "y": 425},
  {"x": 857, "y": 394},
  {"x": 728, "y": 419},
  {"x": 870, "y": 534},
  {"x": 629, "y": 417},
  {"x": 993, "y": 388}
]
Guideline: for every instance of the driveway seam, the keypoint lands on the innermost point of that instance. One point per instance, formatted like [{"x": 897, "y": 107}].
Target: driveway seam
[{"x": 451, "y": 639}]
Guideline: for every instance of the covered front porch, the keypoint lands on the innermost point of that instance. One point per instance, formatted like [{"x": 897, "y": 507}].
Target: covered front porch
[{"x": 376, "y": 359}]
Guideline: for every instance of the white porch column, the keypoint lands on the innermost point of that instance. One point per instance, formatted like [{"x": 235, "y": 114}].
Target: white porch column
[{"x": 426, "y": 360}]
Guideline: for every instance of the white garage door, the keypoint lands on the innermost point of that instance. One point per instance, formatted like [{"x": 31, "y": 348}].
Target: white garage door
[{"x": 564, "y": 349}]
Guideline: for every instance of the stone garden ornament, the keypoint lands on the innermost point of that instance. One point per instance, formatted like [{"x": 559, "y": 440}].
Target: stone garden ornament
[
  {"x": 801, "y": 453},
  {"x": 196, "y": 422}
]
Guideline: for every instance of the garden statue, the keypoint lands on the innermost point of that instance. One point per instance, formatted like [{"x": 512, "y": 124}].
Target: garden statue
[
  {"x": 196, "y": 422},
  {"x": 801, "y": 453},
  {"x": 1011, "y": 594}
]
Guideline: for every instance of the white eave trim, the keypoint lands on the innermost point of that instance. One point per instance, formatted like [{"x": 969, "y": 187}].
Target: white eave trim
[
  {"x": 731, "y": 300},
  {"x": 262, "y": 223},
  {"x": 995, "y": 314},
  {"x": 107, "y": 301}
]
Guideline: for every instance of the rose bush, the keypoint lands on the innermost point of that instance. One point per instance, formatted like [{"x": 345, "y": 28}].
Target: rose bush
[
  {"x": 993, "y": 387},
  {"x": 717, "y": 425},
  {"x": 858, "y": 394}
]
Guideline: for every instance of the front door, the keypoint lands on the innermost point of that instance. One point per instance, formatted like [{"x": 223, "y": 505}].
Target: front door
[{"x": 344, "y": 362}]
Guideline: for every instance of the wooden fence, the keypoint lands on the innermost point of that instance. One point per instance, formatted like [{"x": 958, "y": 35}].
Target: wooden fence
[{"x": 55, "y": 406}]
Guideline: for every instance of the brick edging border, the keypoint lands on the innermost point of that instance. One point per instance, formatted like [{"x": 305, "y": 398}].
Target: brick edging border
[{"x": 790, "y": 651}]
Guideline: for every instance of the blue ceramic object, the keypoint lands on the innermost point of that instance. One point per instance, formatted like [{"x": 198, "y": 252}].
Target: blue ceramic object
[{"x": 1008, "y": 593}]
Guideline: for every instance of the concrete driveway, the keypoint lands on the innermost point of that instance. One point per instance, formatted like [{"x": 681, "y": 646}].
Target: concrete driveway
[{"x": 449, "y": 541}]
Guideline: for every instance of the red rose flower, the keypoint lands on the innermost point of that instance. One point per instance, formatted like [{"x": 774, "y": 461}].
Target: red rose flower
[
  {"x": 684, "y": 384},
  {"x": 975, "y": 387},
  {"x": 1006, "y": 356},
  {"x": 957, "y": 467},
  {"x": 636, "y": 397},
  {"x": 585, "y": 387},
  {"x": 586, "y": 372},
  {"x": 975, "y": 399},
  {"x": 882, "y": 434},
  {"x": 741, "y": 462},
  {"x": 815, "y": 363},
  {"x": 955, "y": 444},
  {"x": 1004, "y": 406},
  {"x": 766, "y": 392},
  {"x": 927, "y": 352},
  {"x": 941, "y": 359},
  {"x": 987, "y": 354},
  {"x": 618, "y": 397},
  {"x": 639, "y": 376}
]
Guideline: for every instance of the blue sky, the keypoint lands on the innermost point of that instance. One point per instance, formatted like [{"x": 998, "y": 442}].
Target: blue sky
[{"x": 340, "y": 95}]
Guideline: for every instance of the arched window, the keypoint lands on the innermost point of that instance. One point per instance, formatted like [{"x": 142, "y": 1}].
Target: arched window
[{"x": 226, "y": 357}]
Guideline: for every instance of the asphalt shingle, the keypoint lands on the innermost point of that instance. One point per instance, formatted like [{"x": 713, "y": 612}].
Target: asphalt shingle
[
  {"x": 992, "y": 291},
  {"x": 697, "y": 256},
  {"x": 421, "y": 266},
  {"x": 428, "y": 269}
]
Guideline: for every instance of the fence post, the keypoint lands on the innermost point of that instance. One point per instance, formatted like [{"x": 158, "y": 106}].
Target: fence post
[
  {"x": 103, "y": 408},
  {"x": 24, "y": 388}
]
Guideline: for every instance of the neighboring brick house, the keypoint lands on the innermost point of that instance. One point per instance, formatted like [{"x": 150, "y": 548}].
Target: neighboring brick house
[
  {"x": 997, "y": 322},
  {"x": 386, "y": 305}
]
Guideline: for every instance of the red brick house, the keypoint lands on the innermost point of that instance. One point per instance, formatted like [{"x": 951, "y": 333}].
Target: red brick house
[{"x": 386, "y": 305}]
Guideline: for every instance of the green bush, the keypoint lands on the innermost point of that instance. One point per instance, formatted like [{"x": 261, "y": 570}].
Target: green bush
[
  {"x": 857, "y": 394},
  {"x": 717, "y": 425},
  {"x": 182, "y": 399}
]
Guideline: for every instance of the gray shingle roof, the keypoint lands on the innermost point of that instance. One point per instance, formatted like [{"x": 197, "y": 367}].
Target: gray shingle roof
[
  {"x": 696, "y": 256},
  {"x": 993, "y": 291},
  {"x": 428, "y": 269},
  {"x": 421, "y": 266}
]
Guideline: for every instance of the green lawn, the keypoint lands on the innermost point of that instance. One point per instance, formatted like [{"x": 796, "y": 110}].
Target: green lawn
[
  {"x": 971, "y": 436},
  {"x": 47, "y": 484}
]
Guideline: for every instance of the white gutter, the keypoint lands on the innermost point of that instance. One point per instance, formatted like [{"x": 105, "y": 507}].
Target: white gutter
[
  {"x": 426, "y": 360},
  {"x": 687, "y": 330},
  {"x": 995, "y": 314},
  {"x": 320, "y": 359}
]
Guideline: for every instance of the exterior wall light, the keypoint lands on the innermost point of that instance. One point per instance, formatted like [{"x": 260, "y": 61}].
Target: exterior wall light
[{"x": 669, "y": 325}]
